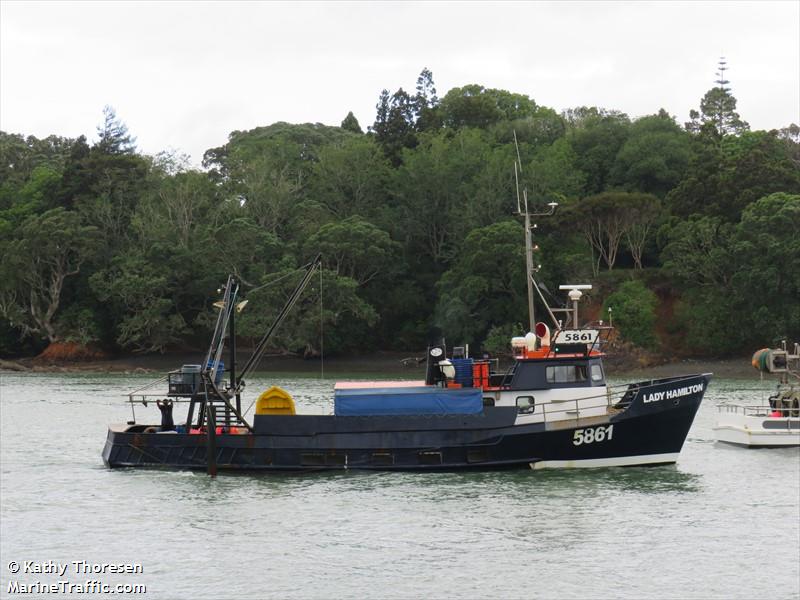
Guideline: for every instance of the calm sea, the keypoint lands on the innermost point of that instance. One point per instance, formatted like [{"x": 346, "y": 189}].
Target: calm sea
[{"x": 722, "y": 523}]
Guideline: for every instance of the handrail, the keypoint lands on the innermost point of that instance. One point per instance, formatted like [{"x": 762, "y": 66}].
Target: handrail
[
  {"x": 132, "y": 398},
  {"x": 758, "y": 410},
  {"x": 613, "y": 395},
  {"x": 625, "y": 388},
  {"x": 654, "y": 382}
]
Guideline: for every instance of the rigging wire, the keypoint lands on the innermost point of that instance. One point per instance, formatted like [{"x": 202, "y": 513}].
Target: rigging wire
[
  {"x": 321, "y": 331},
  {"x": 258, "y": 353},
  {"x": 281, "y": 278}
]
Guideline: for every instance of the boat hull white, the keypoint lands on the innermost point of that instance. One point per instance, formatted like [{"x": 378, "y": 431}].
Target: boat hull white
[
  {"x": 757, "y": 439},
  {"x": 618, "y": 461},
  {"x": 758, "y": 431}
]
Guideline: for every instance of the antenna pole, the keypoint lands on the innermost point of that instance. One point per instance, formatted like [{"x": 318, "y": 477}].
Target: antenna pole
[
  {"x": 529, "y": 268},
  {"x": 529, "y": 265}
]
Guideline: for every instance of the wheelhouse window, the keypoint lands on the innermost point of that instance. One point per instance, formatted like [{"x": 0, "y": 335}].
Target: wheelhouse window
[
  {"x": 597, "y": 373},
  {"x": 566, "y": 373}
]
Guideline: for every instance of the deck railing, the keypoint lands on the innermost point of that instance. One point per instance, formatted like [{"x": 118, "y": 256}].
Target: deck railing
[
  {"x": 760, "y": 410},
  {"x": 617, "y": 397}
]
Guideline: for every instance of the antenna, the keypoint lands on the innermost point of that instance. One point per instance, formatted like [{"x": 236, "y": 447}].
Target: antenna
[
  {"x": 516, "y": 177},
  {"x": 527, "y": 214}
]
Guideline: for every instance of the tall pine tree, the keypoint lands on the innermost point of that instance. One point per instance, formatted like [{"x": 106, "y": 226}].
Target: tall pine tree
[{"x": 718, "y": 109}]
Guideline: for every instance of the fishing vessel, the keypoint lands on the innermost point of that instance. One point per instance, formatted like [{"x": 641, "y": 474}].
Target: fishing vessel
[
  {"x": 552, "y": 408},
  {"x": 772, "y": 423}
]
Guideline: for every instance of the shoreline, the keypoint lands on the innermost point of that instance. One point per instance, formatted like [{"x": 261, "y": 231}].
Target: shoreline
[{"x": 384, "y": 364}]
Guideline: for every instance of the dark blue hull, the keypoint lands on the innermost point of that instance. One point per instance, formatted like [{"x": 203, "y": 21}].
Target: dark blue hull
[{"x": 639, "y": 432}]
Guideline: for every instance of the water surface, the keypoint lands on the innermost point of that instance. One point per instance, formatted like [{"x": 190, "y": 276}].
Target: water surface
[{"x": 722, "y": 523}]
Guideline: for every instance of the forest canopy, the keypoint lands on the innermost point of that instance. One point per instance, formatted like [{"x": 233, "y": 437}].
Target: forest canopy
[{"x": 106, "y": 246}]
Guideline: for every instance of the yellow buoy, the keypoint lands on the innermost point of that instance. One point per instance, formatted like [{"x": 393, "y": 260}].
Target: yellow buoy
[{"x": 275, "y": 401}]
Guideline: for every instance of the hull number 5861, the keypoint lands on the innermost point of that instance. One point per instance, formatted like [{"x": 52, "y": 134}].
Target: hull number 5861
[{"x": 592, "y": 434}]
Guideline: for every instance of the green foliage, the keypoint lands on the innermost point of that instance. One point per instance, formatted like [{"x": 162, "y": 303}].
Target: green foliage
[
  {"x": 741, "y": 280},
  {"x": 103, "y": 244},
  {"x": 633, "y": 313},
  {"x": 340, "y": 310},
  {"x": 486, "y": 285},
  {"x": 596, "y": 136},
  {"x": 476, "y": 106},
  {"x": 78, "y": 324},
  {"x": 394, "y": 124},
  {"x": 542, "y": 128},
  {"x": 555, "y": 171},
  {"x": 350, "y": 178},
  {"x": 401, "y": 116},
  {"x": 767, "y": 282},
  {"x": 717, "y": 114},
  {"x": 498, "y": 340},
  {"x": 350, "y": 123},
  {"x": 654, "y": 157},
  {"x": 611, "y": 218},
  {"x": 45, "y": 251},
  {"x": 355, "y": 248},
  {"x": 113, "y": 134},
  {"x": 140, "y": 294},
  {"x": 727, "y": 175}
]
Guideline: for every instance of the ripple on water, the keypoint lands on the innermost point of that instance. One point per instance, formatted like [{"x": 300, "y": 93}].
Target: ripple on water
[{"x": 699, "y": 529}]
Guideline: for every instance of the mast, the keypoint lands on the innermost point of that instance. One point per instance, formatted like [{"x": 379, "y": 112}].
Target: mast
[
  {"x": 529, "y": 266},
  {"x": 530, "y": 269}
]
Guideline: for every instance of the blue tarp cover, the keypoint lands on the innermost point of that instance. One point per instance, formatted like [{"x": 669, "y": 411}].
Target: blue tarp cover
[{"x": 407, "y": 401}]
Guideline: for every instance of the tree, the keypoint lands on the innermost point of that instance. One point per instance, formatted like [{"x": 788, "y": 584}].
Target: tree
[
  {"x": 766, "y": 276},
  {"x": 20, "y": 156},
  {"x": 755, "y": 164},
  {"x": 554, "y": 171},
  {"x": 739, "y": 282},
  {"x": 355, "y": 248},
  {"x": 486, "y": 286},
  {"x": 538, "y": 130},
  {"x": 476, "y": 106},
  {"x": 435, "y": 190},
  {"x": 394, "y": 125},
  {"x": 330, "y": 303},
  {"x": 654, "y": 157},
  {"x": 726, "y": 175},
  {"x": 245, "y": 249},
  {"x": 596, "y": 137},
  {"x": 141, "y": 296},
  {"x": 633, "y": 312},
  {"x": 113, "y": 135},
  {"x": 48, "y": 249},
  {"x": 426, "y": 103},
  {"x": 642, "y": 212},
  {"x": 718, "y": 109},
  {"x": 698, "y": 258},
  {"x": 603, "y": 219},
  {"x": 350, "y": 178},
  {"x": 350, "y": 123}
]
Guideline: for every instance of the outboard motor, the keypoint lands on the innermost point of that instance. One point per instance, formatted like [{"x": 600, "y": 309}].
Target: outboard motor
[
  {"x": 433, "y": 372},
  {"x": 165, "y": 406}
]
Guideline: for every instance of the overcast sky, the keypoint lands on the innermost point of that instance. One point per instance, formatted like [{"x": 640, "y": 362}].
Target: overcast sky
[{"x": 184, "y": 75}]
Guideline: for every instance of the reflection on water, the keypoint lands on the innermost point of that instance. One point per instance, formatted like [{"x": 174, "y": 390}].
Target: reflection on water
[{"x": 393, "y": 535}]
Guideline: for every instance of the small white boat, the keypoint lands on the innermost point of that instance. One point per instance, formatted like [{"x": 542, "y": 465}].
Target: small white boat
[{"x": 771, "y": 424}]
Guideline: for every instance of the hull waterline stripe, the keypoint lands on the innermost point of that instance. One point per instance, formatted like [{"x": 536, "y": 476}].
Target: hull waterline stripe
[{"x": 617, "y": 461}]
